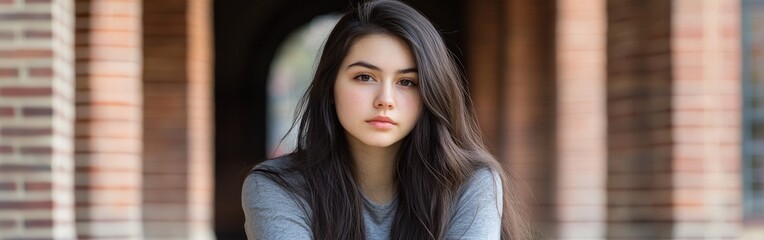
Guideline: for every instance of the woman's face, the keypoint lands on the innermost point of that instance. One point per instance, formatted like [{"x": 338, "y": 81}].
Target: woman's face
[{"x": 376, "y": 92}]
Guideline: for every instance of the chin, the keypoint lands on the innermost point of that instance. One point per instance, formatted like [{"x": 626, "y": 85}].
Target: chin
[
  {"x": 381, "y": 143},
  {"x": 378, "y": 144}
]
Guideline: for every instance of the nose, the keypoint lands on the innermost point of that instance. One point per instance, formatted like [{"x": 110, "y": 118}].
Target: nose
[{"x": 384, "y": 99}]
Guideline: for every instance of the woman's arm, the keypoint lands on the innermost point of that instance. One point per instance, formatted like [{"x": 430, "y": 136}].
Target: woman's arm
[
  {"x": 271, "y": 212},
  {"x": 477, "y": 214}
]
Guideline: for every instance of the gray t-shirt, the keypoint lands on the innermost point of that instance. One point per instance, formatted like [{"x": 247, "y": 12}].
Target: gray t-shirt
[{"x": 272, "y": 213}]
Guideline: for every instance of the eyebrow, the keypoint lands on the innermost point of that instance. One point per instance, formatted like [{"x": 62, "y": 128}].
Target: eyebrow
[{"x": 370, "y": 66}]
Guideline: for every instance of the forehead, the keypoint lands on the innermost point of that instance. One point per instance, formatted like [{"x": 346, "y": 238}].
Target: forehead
[{"x": 383, "y": 50}]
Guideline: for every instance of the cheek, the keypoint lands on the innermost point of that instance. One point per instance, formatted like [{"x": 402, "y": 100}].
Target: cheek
[
  {"x": 348, "y": 101},
  {"x": 413, "y": 107}
]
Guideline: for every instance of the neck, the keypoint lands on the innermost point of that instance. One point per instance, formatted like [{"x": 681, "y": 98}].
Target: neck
[{"x": 375, "y": 168}]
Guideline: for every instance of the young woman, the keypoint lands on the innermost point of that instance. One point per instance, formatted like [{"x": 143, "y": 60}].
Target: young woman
[{"x": 388, "y": 145}]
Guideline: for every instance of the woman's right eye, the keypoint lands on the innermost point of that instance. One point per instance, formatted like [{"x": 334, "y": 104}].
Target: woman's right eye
[{"x": 364, "y": 78}]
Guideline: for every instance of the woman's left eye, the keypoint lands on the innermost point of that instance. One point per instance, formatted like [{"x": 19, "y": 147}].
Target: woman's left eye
[{"x": 407, "y": 83}]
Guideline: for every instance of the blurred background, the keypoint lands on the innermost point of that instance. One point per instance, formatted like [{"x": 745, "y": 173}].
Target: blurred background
[{"x": 621, "y": 119}]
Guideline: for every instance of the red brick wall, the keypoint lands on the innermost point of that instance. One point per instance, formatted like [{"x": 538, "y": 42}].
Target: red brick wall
[
  {"x": 537, "y": 76},
  {"x": 624, "y": 122},
  {"x": 639, "y": 120},
  {"x": 108, "y": 125},
  {"x": 201, "y": 110},
  {"x": 485, "y": 61},
  {"x": 177, "y": 188},
  {"x": 511, "y": 71},
  {"x": 135, "y": 160},
  {"x": 581, "y": 145},
  {"x": 673, "y": 115},
  {"x": 36, "y": 119},
  {"x": 528, "y": 125},
  {"x": 706, "y": 116}
]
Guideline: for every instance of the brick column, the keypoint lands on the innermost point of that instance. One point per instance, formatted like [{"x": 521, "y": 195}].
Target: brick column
[
  {"x": 36, "y": 119},
  {"x": 200, "y": 104},
  {"x": 528, "y": 128},
  {"x": 108, "y": 127},
  {"x": 512, "y": 75},
  {"x": 485, "y": 62},
  {"x": 706, "y": 119},
  {"x": 581, "y": 166},
  {"x": 639, "y": 120},
  {"x": 177, "y": 192},
  {"x": 673, "y": 114}
]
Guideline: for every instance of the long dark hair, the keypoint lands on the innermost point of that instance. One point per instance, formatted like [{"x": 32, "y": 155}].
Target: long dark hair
[{"x": 444, "y": 149}]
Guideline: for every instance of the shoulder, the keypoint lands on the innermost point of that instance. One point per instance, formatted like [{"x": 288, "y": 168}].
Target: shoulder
[
  {"x": 270, "y": 185},
  {"x": 271, "y": 179},
  {"x": 276, "y": 164},
  {"x": 483, "y": 181},
  {"x": 272, "y": 207},
  {"x": 263, "y": 177},
  {"x": 484, "y": 175},
  {"x": 478, "y": 209}
]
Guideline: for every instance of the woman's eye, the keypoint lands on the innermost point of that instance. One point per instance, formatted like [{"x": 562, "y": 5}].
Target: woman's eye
[
  {"x": 364, "y": 78},
  {"x": 407, "y": 83}
]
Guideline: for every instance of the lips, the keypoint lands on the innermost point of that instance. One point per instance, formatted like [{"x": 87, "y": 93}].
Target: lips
[{"x": 382, "y": 122}]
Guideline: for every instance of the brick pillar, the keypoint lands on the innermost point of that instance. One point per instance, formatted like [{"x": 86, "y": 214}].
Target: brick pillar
[
  {"x": 528, "y": 126},
  {"x": 485, "y": 63},
  {"x": 673, "y": 115},
  {"x": 581, "y": 166},
  {"x": 108, "y": 124},
  {"x": 512, "y": 77},
  {"x": 639, "y": 120},
  {"x": 706, "y": 119},
  {"x": 36, "y": 119},
  {"x": 177, "y": 195},
  {"x": 200, "y": 104}
]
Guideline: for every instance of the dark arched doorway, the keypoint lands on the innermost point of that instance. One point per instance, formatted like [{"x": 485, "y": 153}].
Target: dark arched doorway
[{"x": 247, "y": 35}]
